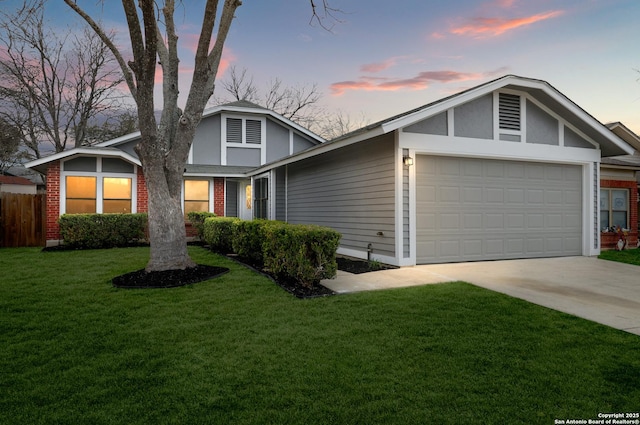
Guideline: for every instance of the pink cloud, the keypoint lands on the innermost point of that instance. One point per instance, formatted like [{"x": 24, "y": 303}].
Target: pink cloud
[
  {"x": 419, "y": 82},
  {"x": 491, "y": 27},
  {"x": 380, "y": 66}
]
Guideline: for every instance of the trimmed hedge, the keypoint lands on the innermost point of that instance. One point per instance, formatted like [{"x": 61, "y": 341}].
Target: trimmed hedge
[
  {"x": 197, "y": 218},
  {"x": 102, "y": 230},
  {"x": 304, "y": 253},
  {"x": 218, "y": 233},
  {"x": 248, "y": 236}
]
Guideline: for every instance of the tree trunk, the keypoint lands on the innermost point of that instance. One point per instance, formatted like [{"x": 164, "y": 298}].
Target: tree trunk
[{"x": 166, "y": 221}]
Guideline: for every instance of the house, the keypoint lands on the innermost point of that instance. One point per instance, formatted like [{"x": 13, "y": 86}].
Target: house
[
  {"x": 231, "y": 140},
  {"x": 507, "y": 169},
  {"x": 16, "y": 184},
  {"x": 619, "y": 182}
]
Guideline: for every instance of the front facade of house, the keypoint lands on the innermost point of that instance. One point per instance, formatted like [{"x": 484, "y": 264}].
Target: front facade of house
[
  {"x": 230, "y": 140},
  {"x": 508, "y": 169}
]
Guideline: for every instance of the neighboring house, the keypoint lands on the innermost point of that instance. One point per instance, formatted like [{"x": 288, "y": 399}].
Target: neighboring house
[
  {"x": 231, "y": 140},
  {"x": 619, "y": 178},
  {"x": 15, "y": 184},
  {"x": 507, "y": 169}
]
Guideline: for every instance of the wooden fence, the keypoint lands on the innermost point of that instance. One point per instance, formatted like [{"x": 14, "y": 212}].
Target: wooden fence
[{"x": 22, "y": 220}]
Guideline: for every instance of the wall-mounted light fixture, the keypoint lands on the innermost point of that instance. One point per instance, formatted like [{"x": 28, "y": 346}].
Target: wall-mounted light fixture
[{"x": 407, "y": 160}]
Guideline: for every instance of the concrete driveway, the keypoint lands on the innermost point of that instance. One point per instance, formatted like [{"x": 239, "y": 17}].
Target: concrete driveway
[{"x": 602, "y": 291}]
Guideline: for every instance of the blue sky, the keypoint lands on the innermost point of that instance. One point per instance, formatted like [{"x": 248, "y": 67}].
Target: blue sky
[{"x": 383, "y": 57}]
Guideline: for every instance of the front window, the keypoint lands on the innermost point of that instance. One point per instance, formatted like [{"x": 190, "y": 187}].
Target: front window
[
  {"x": 116, "y": 194},
  {"x": 81, "y": 195},
  {"x": 196, "y": 195},
  {"x": 261, "y": 198},
  {"x": 614, "y": 209}
]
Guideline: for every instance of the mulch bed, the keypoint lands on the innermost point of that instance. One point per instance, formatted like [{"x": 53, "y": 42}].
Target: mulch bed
[{"x": 141, "y": 279}]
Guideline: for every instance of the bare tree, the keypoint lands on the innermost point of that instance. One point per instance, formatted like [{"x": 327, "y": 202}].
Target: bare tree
[
  {"x": 53, "y": 83},
  {"x": 300, "y": 103},
  {"x": 164, "y": 146},
  {"x": 336, "y": 124},
  {"x": 10, "y": 154}
]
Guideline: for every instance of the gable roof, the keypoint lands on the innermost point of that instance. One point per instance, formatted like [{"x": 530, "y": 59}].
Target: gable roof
[
  {"x": 15, "y": 180},
  {"x": 625, "y": 134},
  {"x": 40, "y": 164},
  {"x": 241, "y": 106},
  {"x": 610, "y": 144}
]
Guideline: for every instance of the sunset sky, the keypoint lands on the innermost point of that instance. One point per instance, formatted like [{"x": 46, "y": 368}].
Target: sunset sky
[{"x": 385, "y": 57}]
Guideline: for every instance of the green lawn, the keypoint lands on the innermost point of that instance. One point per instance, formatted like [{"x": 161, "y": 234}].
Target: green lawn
[
  {"x": 629, "y": 256},
  {"x": 238, "y": 349}
]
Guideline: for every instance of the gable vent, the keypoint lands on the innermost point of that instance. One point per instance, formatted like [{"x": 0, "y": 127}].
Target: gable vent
[
  {"x": 509, "y": 110},
  {"x": 254, "y": 131},
  {"x": 234, "y": 130}
]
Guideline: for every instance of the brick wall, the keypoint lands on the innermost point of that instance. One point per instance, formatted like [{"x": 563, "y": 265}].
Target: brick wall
[
  {"x": 218, "y": 196},
  {"x": 609, "y": 240},
  {"x": 53, "y": 201},
  {"x": 143, "y": 196}
]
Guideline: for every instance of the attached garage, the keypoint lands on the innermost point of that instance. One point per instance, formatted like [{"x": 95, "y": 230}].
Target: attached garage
[{"x": 470, "y": 209}]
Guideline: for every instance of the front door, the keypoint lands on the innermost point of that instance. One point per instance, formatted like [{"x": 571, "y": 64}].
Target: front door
[{"x": 245, "y": 200}]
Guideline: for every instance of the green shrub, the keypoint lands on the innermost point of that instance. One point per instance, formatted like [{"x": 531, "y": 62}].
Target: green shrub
[
  {"x": 218, "y": 233},
  {"x": 197, "y": 218},
  {"x": 248, "y": 236},
  {"x": 305, "y": 254},
  {"x": 102, "y": 230}
]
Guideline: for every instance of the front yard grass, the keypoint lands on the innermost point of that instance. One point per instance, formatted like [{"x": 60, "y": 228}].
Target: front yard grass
[
  {"x": 629, "y": 256},
  {"x": 238, "y": 349}
]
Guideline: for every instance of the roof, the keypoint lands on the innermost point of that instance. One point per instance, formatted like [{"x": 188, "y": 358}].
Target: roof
[
  {"x": 40, "y": 165},
  {"x": 625, "y": 134},
  {"x": 15, "y": 180},
  {"x": 610, "y": 143},
  {"x": 216, "y": 170}
]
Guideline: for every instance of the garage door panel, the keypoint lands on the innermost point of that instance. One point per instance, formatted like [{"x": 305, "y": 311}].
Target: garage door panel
[{"x": 495, "y": 209}]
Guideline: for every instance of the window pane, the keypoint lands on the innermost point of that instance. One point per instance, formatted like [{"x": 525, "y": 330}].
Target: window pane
[
  {"x": 604, "y": 219},
  {"x": 604, "y": 199},
  {"x": 116, "y": 206},
  {"x": 81, "y": 187},
  {"x": 196, "y": 190},
  {"x": 247, "y": 193},
  {"x": 81, "y": 206},
  {"x": 201, "y": 206},
  {"x": 620, "y": 219},
  {"x": 619, "y": 200},
  {"x": 116, "y": 188}
]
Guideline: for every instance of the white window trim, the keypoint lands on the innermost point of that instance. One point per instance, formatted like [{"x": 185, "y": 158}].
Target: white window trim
[
  {"x": 99, "y": 175},
  {"x": 223, "y": 136},
  {"x": 211, "y": 191},
  {"x": 497, "y": 131},
  {"x": 270, "y": 193}
]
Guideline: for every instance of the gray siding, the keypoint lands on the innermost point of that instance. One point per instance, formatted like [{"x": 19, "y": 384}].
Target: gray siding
[
  {"x": 243, "y": 156},
  {"x": 281, "y": 195},
  {"x": 434, "y": 125},
  {"x": 277, "y": 141},
  {"x": 206, "y": 143},
  {"x": 351, "y": 190},
  {"x": 474, "y": 118},
  {"x": 129, "y": 147},
  {"x": 541, "y": 127},
  {"x": 571, "y": 139},
  {"x": 301, "y": 143},
  {"x": 231, "y": 201}
]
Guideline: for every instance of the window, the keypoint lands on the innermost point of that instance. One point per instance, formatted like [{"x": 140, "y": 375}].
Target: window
[
  {"x": 81, "y": 195},
  {"x": 90, "y": 185},
  {"x": 244, "y": 130},
  {"x": 196, "y": 195},
  {"x": 614, "y": 209},
  {"x": 261, "y": 198},
  {"x": 116, "y": 195}
]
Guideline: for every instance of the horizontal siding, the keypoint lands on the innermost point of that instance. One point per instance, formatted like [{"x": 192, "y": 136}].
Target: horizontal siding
[{"x": 350, "y": 190}]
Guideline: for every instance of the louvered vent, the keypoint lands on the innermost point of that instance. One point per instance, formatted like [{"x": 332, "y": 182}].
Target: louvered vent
[
  {"x": 254, "y": 131},
  {"x": 509, "y": 111},
  {"x": 234, "y": 130}
]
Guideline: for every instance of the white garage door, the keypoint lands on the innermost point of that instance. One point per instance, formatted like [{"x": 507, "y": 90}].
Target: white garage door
[{"x": 480, "y": 209}]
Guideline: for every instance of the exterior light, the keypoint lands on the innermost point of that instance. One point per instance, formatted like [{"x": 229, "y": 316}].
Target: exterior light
[{"x": 407, "y": 160}]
